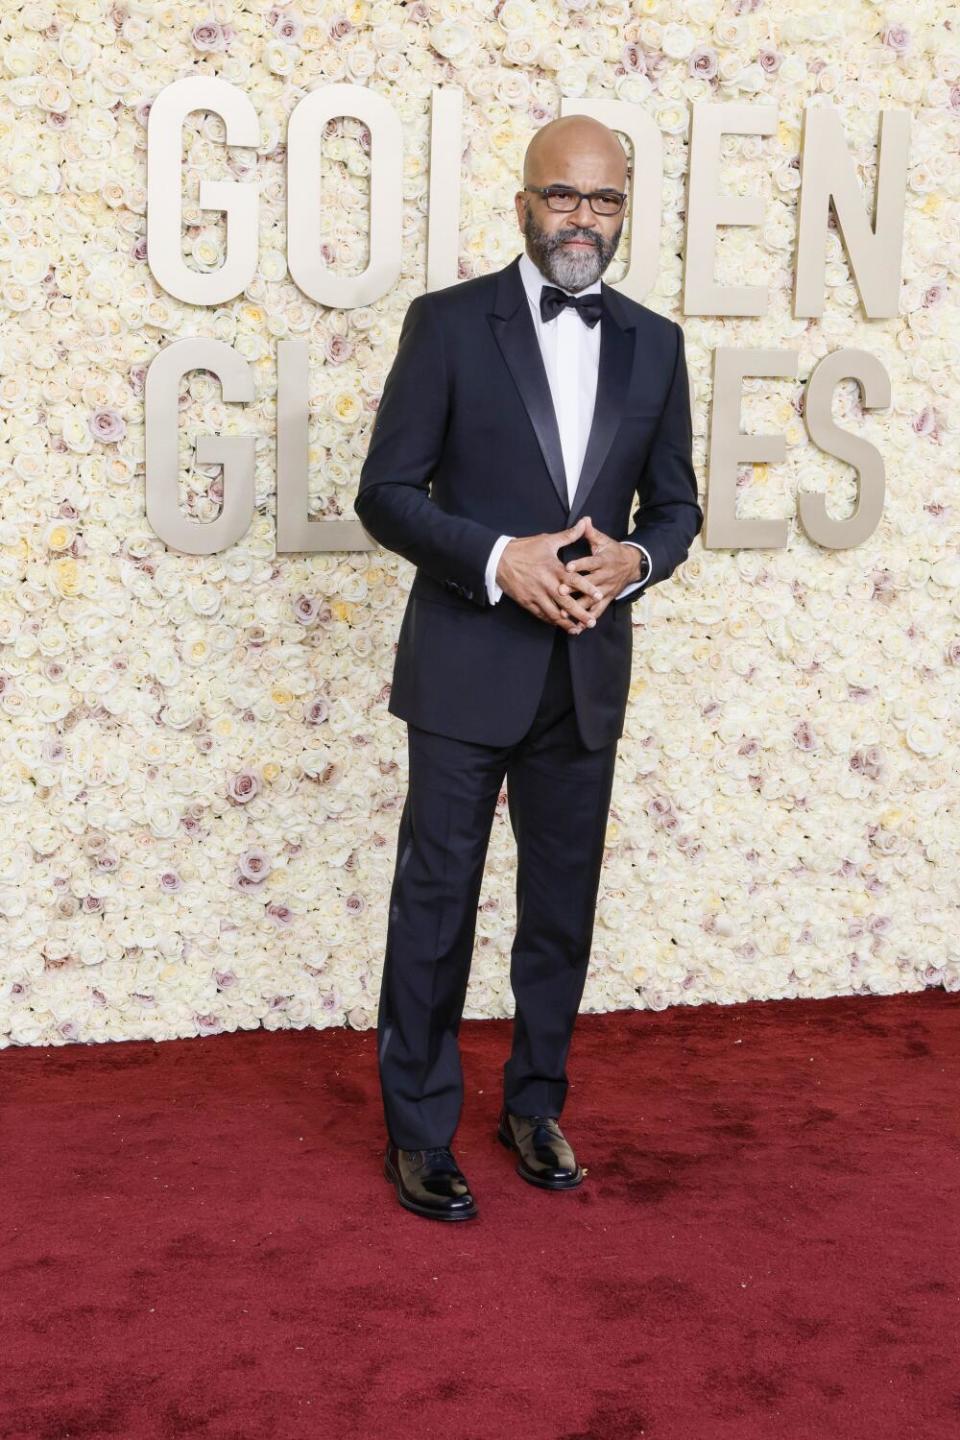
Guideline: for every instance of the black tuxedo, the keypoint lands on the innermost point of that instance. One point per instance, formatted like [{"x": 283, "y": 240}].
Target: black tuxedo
[{"x": 466, "y": 447}]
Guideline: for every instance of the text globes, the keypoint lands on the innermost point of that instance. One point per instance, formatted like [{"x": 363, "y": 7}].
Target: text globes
[{"x": 827, "y": 178}]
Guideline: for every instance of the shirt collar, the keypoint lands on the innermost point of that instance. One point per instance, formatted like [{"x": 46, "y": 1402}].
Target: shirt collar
[{"x": 534, "y": 279}]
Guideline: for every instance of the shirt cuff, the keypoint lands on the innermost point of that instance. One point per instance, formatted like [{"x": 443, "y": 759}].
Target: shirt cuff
[
  {"x": 635, "y": 584},
  {"x": 494, "y": 591}
]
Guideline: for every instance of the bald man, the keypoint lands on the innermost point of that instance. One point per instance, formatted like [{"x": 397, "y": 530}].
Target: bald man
[{"x": 523, "y": 412}]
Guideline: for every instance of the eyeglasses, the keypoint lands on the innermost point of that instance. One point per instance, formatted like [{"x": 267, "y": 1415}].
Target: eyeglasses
[{"x": 566, "y": 199}]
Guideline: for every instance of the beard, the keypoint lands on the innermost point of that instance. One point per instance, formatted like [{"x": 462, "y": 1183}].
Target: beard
[{"x": 570, "y": 269}]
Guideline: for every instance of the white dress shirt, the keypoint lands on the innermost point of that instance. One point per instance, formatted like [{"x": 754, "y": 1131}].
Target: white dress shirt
[{"x": 571, "y": 356}]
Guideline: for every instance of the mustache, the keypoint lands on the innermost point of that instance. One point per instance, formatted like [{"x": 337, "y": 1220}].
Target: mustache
[{"x": 560, "y": 236}]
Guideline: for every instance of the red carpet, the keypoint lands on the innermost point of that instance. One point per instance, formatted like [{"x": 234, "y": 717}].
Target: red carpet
[{"x": 197, "y": 1238}]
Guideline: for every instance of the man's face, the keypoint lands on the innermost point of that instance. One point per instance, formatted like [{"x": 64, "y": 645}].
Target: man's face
[{"x": 572, "y": 249}]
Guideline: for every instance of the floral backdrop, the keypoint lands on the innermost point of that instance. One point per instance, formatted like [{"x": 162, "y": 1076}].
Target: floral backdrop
[{"x": 200, "y": 782}]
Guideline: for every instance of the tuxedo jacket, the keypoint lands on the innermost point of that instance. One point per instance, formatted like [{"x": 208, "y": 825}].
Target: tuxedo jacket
[{"x": 465, "y": 447}]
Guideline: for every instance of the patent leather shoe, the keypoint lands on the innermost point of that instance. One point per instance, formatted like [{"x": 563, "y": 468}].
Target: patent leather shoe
[
  {"x": 546, "y": 1158},
  {"x": 429, "y": 1182}
]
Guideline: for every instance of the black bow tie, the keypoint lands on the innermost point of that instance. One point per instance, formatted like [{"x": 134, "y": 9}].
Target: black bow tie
[{"x": 589, "y": 307}]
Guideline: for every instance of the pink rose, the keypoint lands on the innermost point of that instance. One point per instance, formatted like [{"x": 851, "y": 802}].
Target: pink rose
[
  {"x": 107, "y": 425},
  {"x": 703, "y": 62},
  {"x": 897, "y": 37}
]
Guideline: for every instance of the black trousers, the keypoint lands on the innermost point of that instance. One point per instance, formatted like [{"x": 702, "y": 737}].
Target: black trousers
[{"x": 559, "y": 797}]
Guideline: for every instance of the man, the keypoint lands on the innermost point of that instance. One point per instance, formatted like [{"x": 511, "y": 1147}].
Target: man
[{"x": 514, "y": 400}]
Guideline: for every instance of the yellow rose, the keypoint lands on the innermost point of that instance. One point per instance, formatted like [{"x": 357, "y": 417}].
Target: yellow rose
[
  {"x": 66, "y": 576},
  {"x": 271, "y": 770},
  {"x": 60, "y": 537},
  {"x": 346, "y": 407}
]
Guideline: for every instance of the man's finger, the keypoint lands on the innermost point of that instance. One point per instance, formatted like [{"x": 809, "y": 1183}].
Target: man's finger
[
  {"x": 597, "y": 607},
  {"x": 579, "y": 585},
  {"x": 573, "y": 533},
  {"x": 576, "y": 609},
  {"x": 582, "y": 584},
  {"x": 576, "y": 612},
  {"x": 544, "y": 609}
]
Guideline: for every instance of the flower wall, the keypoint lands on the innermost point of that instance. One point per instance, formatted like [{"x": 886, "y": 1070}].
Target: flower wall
[{"x": 200, "y": 784}]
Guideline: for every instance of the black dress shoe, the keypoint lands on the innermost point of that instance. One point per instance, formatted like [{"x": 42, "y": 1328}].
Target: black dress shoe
[
  {"x": 546, "y": 1158},
  {"x": 429, "y": 1182}
]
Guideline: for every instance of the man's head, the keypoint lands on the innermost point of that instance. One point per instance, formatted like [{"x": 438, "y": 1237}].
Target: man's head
[{"x": 571, "y": 248}]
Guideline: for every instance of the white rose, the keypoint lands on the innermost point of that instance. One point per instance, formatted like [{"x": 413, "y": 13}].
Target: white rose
[
  {"x": 75, "y": 50},
  {"x": 450, "y": 38},
  {"x": 522, "y": 48},
  {"x": 634, "y": 88},
  {"x": 19, "y": 59},
  {"x": 676, "y": 41},
  {"x": 279, "y": 57},
  {"x": 516, "y": 15},
  {"x": 925, "y": 737},
  {"x": 76, "y": 433},
  {"x": 946, "y": 572},
  {"x": 792, "y": 70},
  {"x": 672, "y": 118}
]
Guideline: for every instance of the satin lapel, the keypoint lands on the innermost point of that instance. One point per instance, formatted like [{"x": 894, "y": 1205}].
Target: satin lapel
[
  {"x": 614, "y": 370},
  {"x": 512, "y": 325}
]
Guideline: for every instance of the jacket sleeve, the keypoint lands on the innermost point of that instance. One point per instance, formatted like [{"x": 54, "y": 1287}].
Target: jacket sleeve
[
  {"x": 393, "y": 500},
  {"x": 635, "y": 583},
  {"x": 669, "y": 515}
]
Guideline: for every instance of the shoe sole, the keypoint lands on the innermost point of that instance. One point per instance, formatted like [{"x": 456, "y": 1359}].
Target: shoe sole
[
  {"x": 524, "y": 1174},
  {"x": 416, "y": 1209}
]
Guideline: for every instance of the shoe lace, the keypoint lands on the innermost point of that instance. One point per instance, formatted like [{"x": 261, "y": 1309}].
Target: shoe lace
[{"x": 439, "y": 1152}]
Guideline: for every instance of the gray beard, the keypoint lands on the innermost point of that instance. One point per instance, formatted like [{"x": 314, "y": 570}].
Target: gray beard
[{"x": 572, "y": 269}]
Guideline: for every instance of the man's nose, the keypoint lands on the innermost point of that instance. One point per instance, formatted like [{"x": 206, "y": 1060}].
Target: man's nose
[{"x": 584, "y": 211}]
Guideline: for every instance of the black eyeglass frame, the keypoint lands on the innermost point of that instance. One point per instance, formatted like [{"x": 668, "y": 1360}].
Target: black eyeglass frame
[{"x": 544, "y": 191}]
